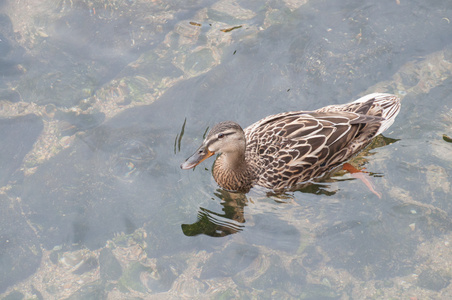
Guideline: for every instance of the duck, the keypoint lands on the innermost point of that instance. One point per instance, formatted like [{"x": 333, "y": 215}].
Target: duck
[{"x": 284, "y": 150}]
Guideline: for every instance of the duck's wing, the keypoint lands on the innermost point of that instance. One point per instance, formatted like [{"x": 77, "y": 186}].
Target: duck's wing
[
  {"x": 293, "y": 147},
  {"x": 383, "y": 105}
]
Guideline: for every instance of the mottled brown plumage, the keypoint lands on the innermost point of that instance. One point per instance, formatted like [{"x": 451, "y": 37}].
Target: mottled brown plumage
[{"x": 283, "y": 150}]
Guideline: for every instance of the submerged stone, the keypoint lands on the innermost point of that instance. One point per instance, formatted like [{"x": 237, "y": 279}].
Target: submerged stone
[
  {"x": 20, "y": 253},
  {"x": 17, "y": 137},
  {"x": 14, "y": 295},
  {"x": 110, "y": 269},
  {"x": 230, "y": 261},
  {"x": 163, "y": 275},
  {"x": 92, "y": 291},
  {"x": 432, "y": 280}
]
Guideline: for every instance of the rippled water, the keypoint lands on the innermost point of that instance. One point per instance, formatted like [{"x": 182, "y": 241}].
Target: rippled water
[{"x": 102, "y": 101}]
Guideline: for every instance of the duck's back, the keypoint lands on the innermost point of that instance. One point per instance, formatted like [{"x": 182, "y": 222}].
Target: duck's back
[{"x": 290, "y": 148}]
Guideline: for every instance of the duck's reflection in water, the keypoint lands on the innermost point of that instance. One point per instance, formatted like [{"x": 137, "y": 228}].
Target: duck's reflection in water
[
  {"x": 220, "y": 224},
  {"x": 232, "y": 219}
]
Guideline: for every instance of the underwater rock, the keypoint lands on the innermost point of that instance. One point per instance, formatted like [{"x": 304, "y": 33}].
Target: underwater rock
[
  {"x": 95, "y": 290},
  {"x": 110, "y": 269},
  {"x": 432, "y": 280},
  {"x": 20, "y": 254},
  {"x": 273, "y": 233},
  {"x": 18, "y": 136},
  {"x": 230, "y": 261}
]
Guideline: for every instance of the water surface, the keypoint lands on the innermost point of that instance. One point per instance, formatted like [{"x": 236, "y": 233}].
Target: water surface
[{"x": 94, "y": 203}]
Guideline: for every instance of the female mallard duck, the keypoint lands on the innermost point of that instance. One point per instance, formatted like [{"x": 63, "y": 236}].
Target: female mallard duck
[{"x": 283, "y": 150}]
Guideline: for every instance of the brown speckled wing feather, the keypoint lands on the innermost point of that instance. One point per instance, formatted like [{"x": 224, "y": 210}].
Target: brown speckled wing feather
[{"x": 294, "y": 147}]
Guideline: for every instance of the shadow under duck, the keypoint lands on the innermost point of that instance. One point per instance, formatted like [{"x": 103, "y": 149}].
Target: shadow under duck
[{"x": 286, "y": 149}]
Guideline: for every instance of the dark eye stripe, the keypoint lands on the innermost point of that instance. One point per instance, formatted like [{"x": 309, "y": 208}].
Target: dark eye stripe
[{"x": 223, "y": 134}]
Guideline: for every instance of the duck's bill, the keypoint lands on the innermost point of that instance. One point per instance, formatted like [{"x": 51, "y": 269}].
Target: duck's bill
[{"x": 198, "y": 157}]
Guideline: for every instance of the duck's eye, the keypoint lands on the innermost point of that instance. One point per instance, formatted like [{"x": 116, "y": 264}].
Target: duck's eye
[{"x": 220, "y": 135}]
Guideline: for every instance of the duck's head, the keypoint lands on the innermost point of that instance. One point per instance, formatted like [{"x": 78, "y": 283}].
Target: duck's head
[{"x": 225, "y": 137}]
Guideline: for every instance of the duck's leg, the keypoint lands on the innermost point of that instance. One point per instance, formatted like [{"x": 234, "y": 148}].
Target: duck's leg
[{"x": 361, "y": 176}]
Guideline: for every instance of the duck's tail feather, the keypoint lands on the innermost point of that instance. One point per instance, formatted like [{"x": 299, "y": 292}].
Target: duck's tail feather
[{"x": 387, "y": 105}]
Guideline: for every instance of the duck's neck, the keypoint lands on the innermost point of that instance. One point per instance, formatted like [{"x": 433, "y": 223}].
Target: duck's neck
[
  {"x": 232, "y": 172},
  {"x": 234, "y": 160}
]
